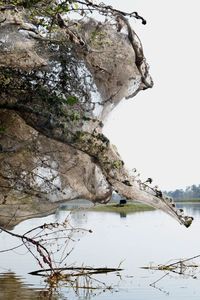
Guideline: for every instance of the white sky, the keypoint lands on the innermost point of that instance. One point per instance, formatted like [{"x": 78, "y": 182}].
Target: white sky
[{"x": 158, "y": 131}]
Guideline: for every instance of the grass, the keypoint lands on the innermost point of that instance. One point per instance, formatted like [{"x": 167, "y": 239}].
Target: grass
[
  {"x": 187, "y": 200},
  {"x": 122, "y": 209}
]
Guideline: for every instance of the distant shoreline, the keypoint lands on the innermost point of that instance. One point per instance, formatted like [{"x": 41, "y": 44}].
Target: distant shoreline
[
  {"x": 127, "y": 208},
  {"x": 185, "y": 201}
]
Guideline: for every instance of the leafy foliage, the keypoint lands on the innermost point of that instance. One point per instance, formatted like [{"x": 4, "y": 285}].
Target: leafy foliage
[
  {"x": 2, "y": 129},
  {"x": 71, "y": 100},
  {"x": 44, "y": 13}
]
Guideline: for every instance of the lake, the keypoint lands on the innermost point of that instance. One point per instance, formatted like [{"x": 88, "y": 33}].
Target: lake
[{"x": 130, "y": 241}]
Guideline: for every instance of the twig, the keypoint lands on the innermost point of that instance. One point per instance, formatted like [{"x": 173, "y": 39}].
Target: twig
[
  {"x": 182, "y": 261},
  {"x": 153, "y": 283},
  {"x": 100, "y": 270}
]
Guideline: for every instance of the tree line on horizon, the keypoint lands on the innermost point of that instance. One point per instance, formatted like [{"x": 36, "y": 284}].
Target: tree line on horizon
[{"x": 190, "y": 192}]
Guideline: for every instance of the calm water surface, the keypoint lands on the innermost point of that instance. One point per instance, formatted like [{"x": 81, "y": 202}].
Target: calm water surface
[{"x": 133, "y": 241}]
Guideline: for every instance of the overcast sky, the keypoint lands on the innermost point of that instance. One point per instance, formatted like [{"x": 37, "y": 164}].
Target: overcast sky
[{"x": 158, "y": 131}]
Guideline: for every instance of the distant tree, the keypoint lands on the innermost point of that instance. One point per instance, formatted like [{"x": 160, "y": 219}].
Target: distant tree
[{"x": 190, "y": 192}]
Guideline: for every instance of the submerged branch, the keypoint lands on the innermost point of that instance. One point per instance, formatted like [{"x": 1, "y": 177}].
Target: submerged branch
[{"x": 82, "y": 271}]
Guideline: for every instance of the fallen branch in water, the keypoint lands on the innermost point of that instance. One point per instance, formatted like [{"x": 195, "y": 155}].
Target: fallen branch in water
[
  {"x": 179, "y": 267},
  {"x": 82, "y": 271},
  {"x": 43, "y": 242},
  {"x": 50, "y": 245}
]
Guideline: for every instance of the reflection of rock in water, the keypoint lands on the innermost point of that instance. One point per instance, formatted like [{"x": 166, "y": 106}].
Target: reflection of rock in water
[{"x": 13, "y": 287}]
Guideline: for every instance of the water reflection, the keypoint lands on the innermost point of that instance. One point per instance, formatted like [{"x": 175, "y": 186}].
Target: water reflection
[
  {"x": 11, "y": 215},
  {"x": 135, "y": 241},
  {"x": 13, "y": 287},
  {"x": 123, "y": 215},
  {"x": 193, "y": 209}
]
